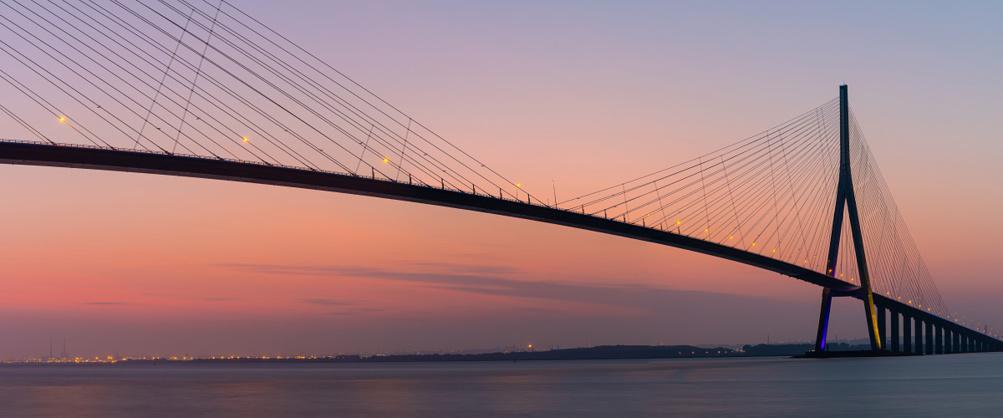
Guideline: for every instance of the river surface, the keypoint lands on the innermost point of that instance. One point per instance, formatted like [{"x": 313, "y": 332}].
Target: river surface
[{"x": 950, "y": 385}]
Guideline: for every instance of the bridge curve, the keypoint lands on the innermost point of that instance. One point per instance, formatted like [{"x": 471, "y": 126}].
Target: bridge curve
[
  {"x": 95, "y": 158},
  {"x": 84, "y": 157}
]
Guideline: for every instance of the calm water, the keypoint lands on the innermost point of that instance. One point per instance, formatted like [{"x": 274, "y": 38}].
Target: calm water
[{"x": 950, "y": 385}]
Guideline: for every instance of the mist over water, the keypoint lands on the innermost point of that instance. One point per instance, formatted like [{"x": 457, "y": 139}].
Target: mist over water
[{"x": 947, "y": 385}]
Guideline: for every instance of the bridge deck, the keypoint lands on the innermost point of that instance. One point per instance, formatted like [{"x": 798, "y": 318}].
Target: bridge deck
[{"x": 74, "y": 156}]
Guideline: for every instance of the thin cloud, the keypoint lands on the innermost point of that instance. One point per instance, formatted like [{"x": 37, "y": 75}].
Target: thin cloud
[
  {"x": 325, "y": 302},
  {"x": 355, "y": 311},
  {"x": 218, "y": 299},
  {"x": 484, "y": 280}
]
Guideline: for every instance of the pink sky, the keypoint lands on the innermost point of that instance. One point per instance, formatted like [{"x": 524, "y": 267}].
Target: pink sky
[{"x": 578, "y": 95}]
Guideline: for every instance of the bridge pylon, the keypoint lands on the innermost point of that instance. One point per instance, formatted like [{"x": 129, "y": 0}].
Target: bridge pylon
[{"x": 846, "y": 200}]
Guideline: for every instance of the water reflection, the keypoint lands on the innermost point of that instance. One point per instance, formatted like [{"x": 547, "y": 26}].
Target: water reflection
[{"x": 950, "y": 385}]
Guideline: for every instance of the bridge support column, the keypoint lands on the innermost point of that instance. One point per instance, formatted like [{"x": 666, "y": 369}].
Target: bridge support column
[
  {"x": 938, "y": 339},
  {"x": 945, "y": 340},
  {"x": 881, "y": 312},
  {"x": 920, "y": 347},
  {"x": 956, "y": 341},
  {"x": 906, "y": 333},
  {"x": 823, "y": 320},
  {"x": 895, "y": 335},
  {"x": 928, "y": 336}
]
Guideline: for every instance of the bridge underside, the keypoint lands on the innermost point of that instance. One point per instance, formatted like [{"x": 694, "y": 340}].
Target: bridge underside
[
  {"x": 905, "y": 329},
  {"x": 939, "y": 334}
]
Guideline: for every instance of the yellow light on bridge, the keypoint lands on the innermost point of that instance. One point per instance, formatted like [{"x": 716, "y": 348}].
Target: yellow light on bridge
[
  {"x": 386, "y": 160},
  {"x": 519, "y": 185},
  {"x": 62, "y": 119},
  {"x": 246, "y": 140},
  {"x": 679, "y": 222}
]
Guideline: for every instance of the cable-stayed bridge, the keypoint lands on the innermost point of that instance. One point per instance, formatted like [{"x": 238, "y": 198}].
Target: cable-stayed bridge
[{"x": 200, "y": 88}]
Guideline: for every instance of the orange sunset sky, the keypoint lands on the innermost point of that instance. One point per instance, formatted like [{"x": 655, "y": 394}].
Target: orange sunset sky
[{"x": 560, "y": 96}]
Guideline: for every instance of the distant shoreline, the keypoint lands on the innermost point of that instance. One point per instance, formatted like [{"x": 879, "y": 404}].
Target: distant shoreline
[{"x": 604, "y": 352}]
